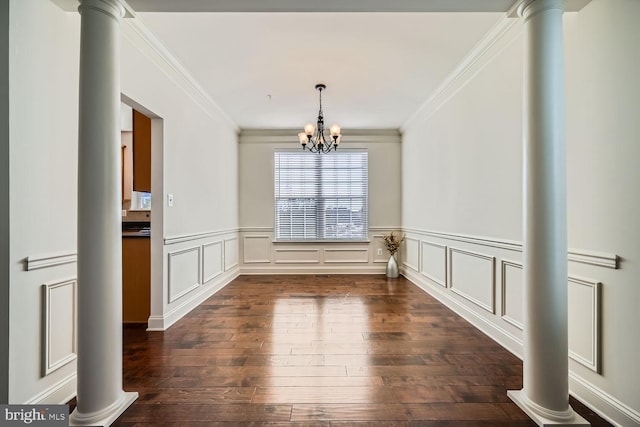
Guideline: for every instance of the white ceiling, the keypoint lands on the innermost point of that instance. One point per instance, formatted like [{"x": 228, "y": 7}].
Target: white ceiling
[
  {"x": 259, "y": 60},
  {"x": 379, "y": 68}
]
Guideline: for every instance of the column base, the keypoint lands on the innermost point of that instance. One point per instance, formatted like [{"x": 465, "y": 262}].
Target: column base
[
  {"x": 107, "y": 416},
  {"x": 571, "y": 418}
]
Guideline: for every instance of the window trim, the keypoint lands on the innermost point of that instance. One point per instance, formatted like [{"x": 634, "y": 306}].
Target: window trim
[{"x": 363, "y": 240}]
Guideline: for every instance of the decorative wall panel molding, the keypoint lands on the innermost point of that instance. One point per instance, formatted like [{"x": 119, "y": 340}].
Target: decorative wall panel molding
[
  {"x": 52, "y": 260},
  {"x": 197, "y": 236},
  {"x": 212, "y": 261},
  {"x": 230, "y": 253},
  {"x": 433, "y": 262},
  {"x": 184, "y": 272},
  {"x": 472, "y": 276},
  {"x": 296, "y": 256},
  {"x": 412, "y": 253},
  {"x": 346, "y": 255},
  {"x": 256, "y": 249},
  {"x": 59, "y": 314},
  {"x": 584, "y": 322},
  {"x": 599, "y": 259},
  {"x": 512, "y": 286}
]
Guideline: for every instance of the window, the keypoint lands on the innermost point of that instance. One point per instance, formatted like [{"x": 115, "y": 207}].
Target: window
[{"x": 321, "y": 196}]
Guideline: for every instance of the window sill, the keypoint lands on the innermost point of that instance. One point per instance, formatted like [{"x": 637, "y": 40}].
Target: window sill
[{"x": 322, "y": 241}]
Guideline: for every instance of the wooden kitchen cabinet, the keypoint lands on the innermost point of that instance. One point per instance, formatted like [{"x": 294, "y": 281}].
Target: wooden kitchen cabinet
[
  {"x": 136, "y": 279},
  {"x": 141, "y": 152}
]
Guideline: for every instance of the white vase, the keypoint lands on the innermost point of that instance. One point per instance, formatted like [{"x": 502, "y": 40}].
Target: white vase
[{"x": 392, "y": 267}]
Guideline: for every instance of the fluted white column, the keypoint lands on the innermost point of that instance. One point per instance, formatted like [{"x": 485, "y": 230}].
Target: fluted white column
[
  {"x": 545, "y": 395},
  {"x": 100, "y": 398}
]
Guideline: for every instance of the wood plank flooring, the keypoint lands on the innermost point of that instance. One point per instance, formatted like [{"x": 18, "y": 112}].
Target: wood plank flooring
[{"x": 321, "y": 351}]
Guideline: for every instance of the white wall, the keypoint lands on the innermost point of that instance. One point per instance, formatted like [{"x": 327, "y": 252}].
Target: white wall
[
  {"x": 462, "y": 200},
  {"x": 258, "y": 253},
  {"x": 4, "y": 202},
  {"x": 43, "y": 63}
]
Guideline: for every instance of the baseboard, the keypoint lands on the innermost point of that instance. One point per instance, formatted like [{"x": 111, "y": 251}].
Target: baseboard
[
  {"x": 602, "y": 403},
  {"x": 498, "y": 334},
  {"x": 605, "y": 405},
  {"x": 162, "y": 323},
  {"x": 58, "y": 394},
  {"x": 314, "y": 269}
]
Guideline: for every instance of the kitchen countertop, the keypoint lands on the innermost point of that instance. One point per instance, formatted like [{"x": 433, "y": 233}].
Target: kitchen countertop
[{"x": 136, "y": 233}]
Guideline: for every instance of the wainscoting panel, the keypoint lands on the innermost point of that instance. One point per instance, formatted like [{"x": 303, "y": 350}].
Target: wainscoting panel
[
  {"x": 512, "y": 293},
  {"x": 256, "y": 249},
  {"x": 184, "y": 272},
  {"x": 296, "y": 256},
  {"x": 434, "y": 262},
  {"x": 346, "y": 255},
  {"x": 59, "y": 324},
  {"x": 412, "y": 253},
  {"x": 472, "y": 276},
  {"x": 230, "y": 253},
  {"x": 212, "y": 261},
  {"x": 584, "y": 322}
]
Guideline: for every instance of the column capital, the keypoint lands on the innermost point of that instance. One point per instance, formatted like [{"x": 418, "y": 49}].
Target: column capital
[
  {"x": 112, "y": 8},
  {"x": 529, "y": 8}
]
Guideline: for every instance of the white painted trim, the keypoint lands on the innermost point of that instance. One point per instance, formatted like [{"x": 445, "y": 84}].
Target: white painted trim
[
  {"x": 315, "y": 269},
  {"x": 594, "y": 363},
  {"x": 415, "y": 268},
  {"x": 224, "y": 249},
  {"x": 354, "y": 261},
  {"x": 51, "y": 260},
  {"x": 170, "y": 296},
  {"x": 48, "y": 365},
  {"x": 302, "y": 261},
  {"x": 246, "y": 260},
  {"x": 598, "y": 259},
  {"x": 351, "y": 136},
  {"x": 503, "y": 284},
  {"x": 197, "y": 236},
  {"x": 583, "y": 256},
  {"x": 209, "y": 278},
  {"x": 162, "y": 323},
  {"x": 58, "y": 394},
  {"x": 137, "y": 33},
  {"x": 608, "y": 407},
  {"x": 431, "y": 277},
  {"x": 491, "y": 308}
]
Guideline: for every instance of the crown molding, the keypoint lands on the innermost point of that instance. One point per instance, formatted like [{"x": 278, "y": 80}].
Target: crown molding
[{"x": 141, "y": 37}]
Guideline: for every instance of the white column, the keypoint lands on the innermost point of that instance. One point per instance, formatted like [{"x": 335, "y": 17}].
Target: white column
[
  {"x": 100, "y": 398},
  {"x": 545, "y": 395}
]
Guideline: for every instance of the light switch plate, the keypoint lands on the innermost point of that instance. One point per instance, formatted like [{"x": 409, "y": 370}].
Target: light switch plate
[{"x": 170, "y": 200}]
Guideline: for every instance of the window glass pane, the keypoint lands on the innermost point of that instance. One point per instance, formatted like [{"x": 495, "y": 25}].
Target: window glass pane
[{"x": 321, "y": 196}]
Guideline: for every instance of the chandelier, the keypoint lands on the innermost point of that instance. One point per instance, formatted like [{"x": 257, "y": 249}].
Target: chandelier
[{"x": 313, "y": 136}]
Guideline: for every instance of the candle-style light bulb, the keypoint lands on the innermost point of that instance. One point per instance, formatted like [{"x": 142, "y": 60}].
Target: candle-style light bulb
[{"x": 309, "y": 129}]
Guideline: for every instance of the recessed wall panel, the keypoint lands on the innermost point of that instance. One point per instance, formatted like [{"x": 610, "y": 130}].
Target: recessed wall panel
[
  {"x": 512, "y": 293},
  {"x": 211, "y": 261},
  {"x": 59, "y": 325},
  {"x": 434, "y": 262},
  {"x": 256, "y": 249},
  {"x": 472, "y": 276},
  {"x": 184, "y": 272}
]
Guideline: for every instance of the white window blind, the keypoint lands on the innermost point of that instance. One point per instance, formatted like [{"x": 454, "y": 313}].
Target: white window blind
[{"x": 321, "y": 196}]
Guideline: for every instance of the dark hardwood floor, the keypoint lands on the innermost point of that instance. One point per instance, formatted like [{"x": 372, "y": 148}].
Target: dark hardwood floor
[{"x": 321, "y": 351}]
